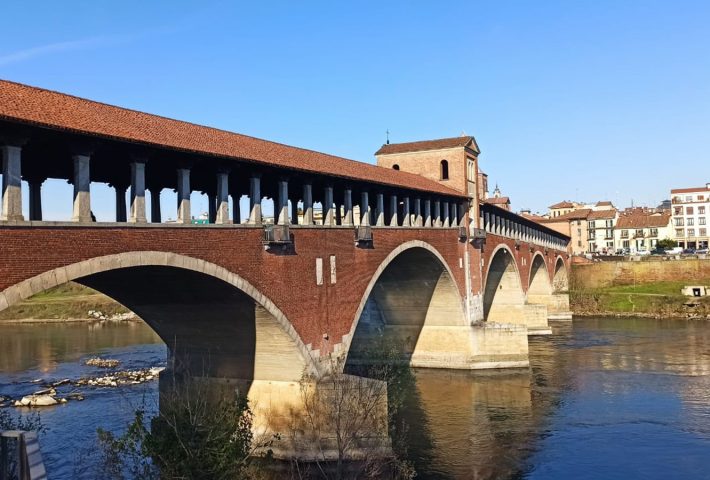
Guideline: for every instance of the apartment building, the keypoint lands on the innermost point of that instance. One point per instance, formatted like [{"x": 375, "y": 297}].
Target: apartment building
[
  {"x": 691, "y": 212},
  {"x": 640, "y": 229}
]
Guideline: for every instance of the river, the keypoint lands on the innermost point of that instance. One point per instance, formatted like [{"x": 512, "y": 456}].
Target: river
[{"x": 604, "y": 398}]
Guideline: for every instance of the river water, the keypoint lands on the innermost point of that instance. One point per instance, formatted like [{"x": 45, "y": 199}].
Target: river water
[{"x": 604, "y": 398}]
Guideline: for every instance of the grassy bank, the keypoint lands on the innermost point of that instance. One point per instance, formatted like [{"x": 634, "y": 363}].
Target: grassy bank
[
  {"x": 70, "y": 301},
  {"x": 647, "y": 299}
]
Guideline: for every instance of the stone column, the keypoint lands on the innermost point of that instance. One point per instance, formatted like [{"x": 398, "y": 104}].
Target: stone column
[
  {"x": 236, "y": 209},
  {"x": 307, "y": 204},
  {"x": 222, "y": 204},
  {"x": 365, "y": 209},
  {"x": 82, "y": 189},
  {"x": 282, "y": 208},
  {"x": 427, "y": 213},
  {"x": 155, "y": 216},
  {"x": 454, "y": 215},
  {"x": 380, "y": 212},
  {"x": 120, "y": 202},
  {"x": 183, "y": 195},
  {"x": 211, "y": 207},
  {"x": 437, "y": 213},
  {"x": 138, "y": 192},
  {"x": 11, "y": 183},
  {"x": 406, "y": 219},
  {"x": 445, "y": 214},
  {"x": 393, "y": 221},
  {"x": 348, "y": 206},
  {"x": 418, "y": 212},
  {"x": 255, "y": 200},
  {"x": 328, "y": 208},
  {"x": 35, "y": 198},
  {"x": 338, "y": 215},
  {"x": 294, "y": 211}
]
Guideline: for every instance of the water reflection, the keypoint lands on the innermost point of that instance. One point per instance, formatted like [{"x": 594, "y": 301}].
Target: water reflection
[
  {"x": 604, "y": 398},
  {"x": 43, "y": 346}
]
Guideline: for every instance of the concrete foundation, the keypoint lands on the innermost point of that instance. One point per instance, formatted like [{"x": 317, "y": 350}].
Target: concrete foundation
[{"x": 534, "y": 317}]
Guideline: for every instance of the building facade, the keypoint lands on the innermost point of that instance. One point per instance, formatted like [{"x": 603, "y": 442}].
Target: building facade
[
  {"x": 691, "y": 212},
  {"x": 640, "y": 229}
]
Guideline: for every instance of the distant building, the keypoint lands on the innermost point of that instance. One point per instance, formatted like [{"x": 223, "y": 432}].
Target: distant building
[
  {"x": 691, "y": 210},
  {"x": 498, "y": 199},
  {"x": 573, "y": 224},
  {"x": 600, "y": 229},
  {"x": 640, "y": 229},
  {"x": 562, "y": 208}
]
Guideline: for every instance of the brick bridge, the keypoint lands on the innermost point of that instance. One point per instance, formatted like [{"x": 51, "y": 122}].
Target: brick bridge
[{"x": 353, "y": 251}]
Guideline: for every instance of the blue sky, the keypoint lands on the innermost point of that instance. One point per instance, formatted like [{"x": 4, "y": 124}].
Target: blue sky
[{"x": 579, "y": 100}]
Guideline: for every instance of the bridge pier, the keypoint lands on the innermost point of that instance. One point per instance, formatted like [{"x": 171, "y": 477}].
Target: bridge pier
[{"x": 11, "y": 183}]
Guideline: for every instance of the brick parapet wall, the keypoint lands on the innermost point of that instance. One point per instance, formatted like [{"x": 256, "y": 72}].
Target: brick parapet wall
[{"x": 605, "y": 274}]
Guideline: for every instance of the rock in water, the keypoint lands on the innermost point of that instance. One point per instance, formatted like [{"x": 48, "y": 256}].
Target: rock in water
[{"x": 38, "y": 401}]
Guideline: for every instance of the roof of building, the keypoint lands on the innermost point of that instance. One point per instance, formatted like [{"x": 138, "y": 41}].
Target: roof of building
[
  {"x": 641, "y": 219},
  {"x": 604, "y": 203},
  {"x": 54, "y": 110},
  {"x": 691, "y": 190},
  {"x": 563, "y": 204},
  {"x": 462, "y": 141},
  {"x": 579, "y": 214},
  {"x": 497, "y": 200},
  {"x": 607, "y": 213}
]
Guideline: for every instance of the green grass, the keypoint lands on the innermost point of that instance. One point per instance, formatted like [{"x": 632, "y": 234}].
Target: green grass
[
  {"x": 657, "y": 288},
  {"x": 68, "y": 301}
]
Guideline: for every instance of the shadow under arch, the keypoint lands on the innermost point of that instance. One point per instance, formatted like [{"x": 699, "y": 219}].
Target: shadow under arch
[
  {"x": 560, "y": 278},
  {"x": 412, "y": 288},
  {"x": 539, "y": 285},
  {"x": 503, "y": 287},
  {"x": 213, "y": 321}
]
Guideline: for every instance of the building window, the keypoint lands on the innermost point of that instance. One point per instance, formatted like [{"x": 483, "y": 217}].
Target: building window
[
  {"x": 395, "y": 166},
  {"x": 688, "y": 198},
  {"x": 590, "y": 225},
  {"x": 702, "y": 232},
  {"x": 701, "y": 221},
  {"x": 610, "y": 244},
  {"x": 625, "y": 243},
  {"x": 679, "y": 222},
  {"x": 678, "y": 232},
  {"x": 691, "y": 222},
  {"x": 688, "y": 210},
  {"x": 678, "y": 211},
  {"x": 654, "y": 232},
  {"x": 701, "y": 198},
  {"x": 639, "y": 233},
  {"x": 691, "y": 232},
  {"x": 609, "y": 223},
  {"x": 624, "y": 234},
  {"x": 444, "y": 170},
  {"x": 609, "y": 234},
  {"x": 701, "y": 210}
]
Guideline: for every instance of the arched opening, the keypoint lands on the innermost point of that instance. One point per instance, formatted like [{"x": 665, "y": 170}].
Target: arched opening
[
  {"x": 539, "y": 286},
  {"x": 560, "y": 280},
  {"x": 413, "y": 290},
  {"x": 214, "y": 325},
  {"x": 395, "y": 166},
  {"x": 503, "y": 293},
  {"x": 444, "y": 170}
]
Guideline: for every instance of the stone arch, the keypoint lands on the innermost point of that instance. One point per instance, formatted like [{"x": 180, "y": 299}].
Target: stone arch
[
  {"x": 503, "y": 291},
  {"x": 539, "y": 285},
  {"x": 131, "y": 277},
  {"x": 411, "y": 290},
  {"x": 560, "y": 278}
]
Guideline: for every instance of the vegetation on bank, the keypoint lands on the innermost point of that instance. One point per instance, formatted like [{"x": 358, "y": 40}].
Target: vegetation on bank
[
  {"x": 658, "y": 299},
  {"x": 69, "y": 301}
]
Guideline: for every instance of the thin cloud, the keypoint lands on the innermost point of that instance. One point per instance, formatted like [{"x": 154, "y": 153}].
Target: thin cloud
[{"x": 82, "y": 44}]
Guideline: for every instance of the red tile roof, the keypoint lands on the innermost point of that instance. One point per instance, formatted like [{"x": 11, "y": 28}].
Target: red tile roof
[
  {"x": 498, "y": 200},
  {"x": 643, "y": 220},
  {"x": 609, "y": 213},
  {"x": 54, "y": 110},
  {"x": 689, "y": 190},
  {"x": 579, "y": 214},
  {"x": 604, "y": 203},
  {"x": 463, "y": 141},
  {"x": 563, "y": 204}
]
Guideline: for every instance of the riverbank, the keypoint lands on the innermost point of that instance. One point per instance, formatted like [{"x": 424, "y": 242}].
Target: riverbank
[
  {"x": 70, "y": 302},
  {"x": 649, "y": 300}
]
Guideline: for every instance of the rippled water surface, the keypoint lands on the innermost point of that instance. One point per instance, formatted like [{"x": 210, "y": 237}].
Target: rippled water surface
[{"x": 604, "y": 398}]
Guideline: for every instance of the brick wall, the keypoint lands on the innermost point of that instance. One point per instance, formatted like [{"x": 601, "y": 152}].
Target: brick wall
[{"x": 604, "y": 274}]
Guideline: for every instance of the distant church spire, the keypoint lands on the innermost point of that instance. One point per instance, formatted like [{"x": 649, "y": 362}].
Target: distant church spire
[
  {"x": 496, "y": 192},
  {"x": 388, "y": 136}
]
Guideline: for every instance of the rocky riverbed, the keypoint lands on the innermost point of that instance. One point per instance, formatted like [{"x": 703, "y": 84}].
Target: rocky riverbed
[{"x": 55, "y": 392}]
